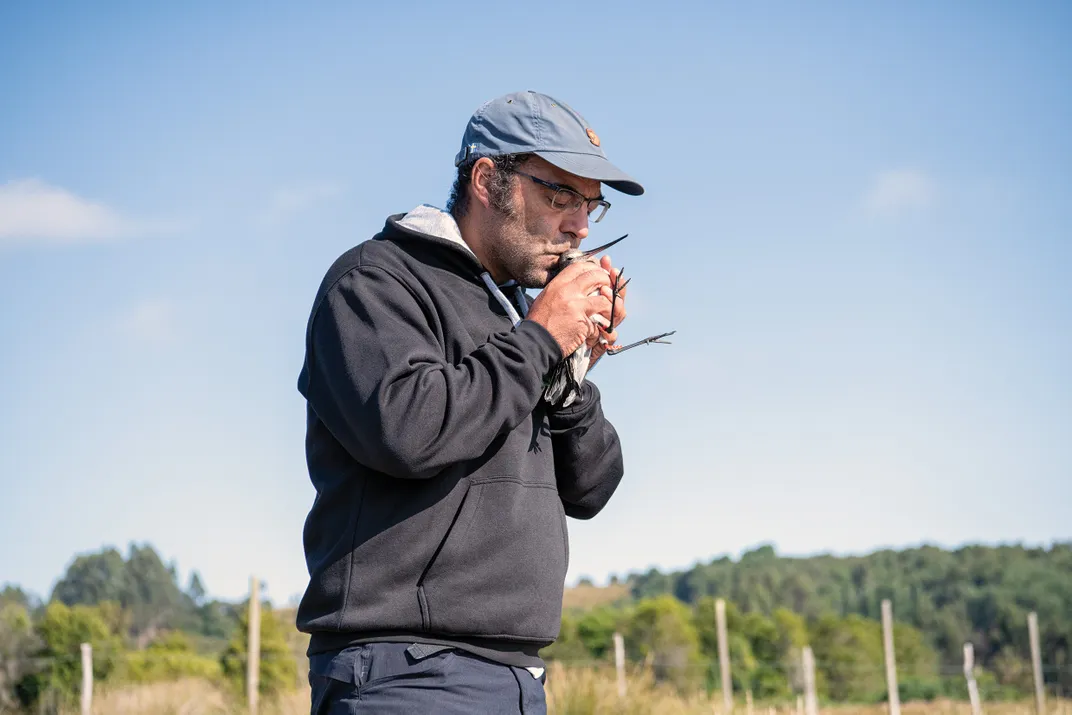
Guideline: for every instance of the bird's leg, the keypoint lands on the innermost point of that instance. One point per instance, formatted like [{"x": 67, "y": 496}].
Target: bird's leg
[
  {"x": 618, "y": 286},
  {"x": 618, "y": 350}
]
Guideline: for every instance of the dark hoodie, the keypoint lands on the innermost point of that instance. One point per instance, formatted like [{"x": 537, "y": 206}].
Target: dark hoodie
[{"x": 442, "y": 479}]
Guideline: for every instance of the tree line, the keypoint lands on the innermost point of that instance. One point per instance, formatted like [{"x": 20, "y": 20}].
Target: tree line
[
  {"x": 145, "y": 626},
  {"x": 942, "y": 599},
  {"x": 142, "y": 626}
]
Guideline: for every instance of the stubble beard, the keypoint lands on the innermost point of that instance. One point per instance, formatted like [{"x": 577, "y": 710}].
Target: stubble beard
[{"x": 517, "y": 248}]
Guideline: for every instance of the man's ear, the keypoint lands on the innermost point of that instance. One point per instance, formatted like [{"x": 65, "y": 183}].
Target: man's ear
[{"x": 483, "y": 170}]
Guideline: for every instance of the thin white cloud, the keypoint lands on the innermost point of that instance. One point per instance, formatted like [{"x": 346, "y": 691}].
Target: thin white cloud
[
  {"x": 900, "y": 191},
  {"x": 151, "y": 322},
  {"x": 292, "y": 200},
  {"x": 32, "y": 211}
]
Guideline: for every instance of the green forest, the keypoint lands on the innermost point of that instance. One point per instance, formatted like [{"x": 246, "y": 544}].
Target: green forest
[
  {"x": 146, "y": 626},
  {"x": 143, "y": 626},
  {"x": 941, "y": 600}
]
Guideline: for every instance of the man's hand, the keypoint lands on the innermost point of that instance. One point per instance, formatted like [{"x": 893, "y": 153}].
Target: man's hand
[
  {"x": 564, "y": 305},
  {"x": 610, "y": 334}
]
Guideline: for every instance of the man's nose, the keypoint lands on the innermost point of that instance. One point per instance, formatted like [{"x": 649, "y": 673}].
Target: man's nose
[{"x": 577, "y": 225}]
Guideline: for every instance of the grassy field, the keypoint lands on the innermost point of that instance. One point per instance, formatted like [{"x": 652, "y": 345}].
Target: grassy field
[
  {"x": 584, "y": 691},
  {"x": 586, "y": 597},
  {"x": 574, "y": 691}
]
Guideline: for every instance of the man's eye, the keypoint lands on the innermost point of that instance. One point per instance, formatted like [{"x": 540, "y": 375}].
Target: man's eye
[{"x": 563, "y": 199}]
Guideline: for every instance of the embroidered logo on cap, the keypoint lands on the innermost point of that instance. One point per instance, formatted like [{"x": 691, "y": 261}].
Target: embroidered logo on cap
[{"x": 592, "y": 136}]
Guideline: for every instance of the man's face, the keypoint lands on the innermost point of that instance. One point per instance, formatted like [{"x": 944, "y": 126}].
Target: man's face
[{"x": 530, "y": 235}]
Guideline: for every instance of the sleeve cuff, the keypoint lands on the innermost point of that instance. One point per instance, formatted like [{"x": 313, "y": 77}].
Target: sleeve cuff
[{"x": 548, "y": 352}]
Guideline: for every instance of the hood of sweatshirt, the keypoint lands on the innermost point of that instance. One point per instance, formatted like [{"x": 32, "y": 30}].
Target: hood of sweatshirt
[{"x": 434, "y": 223}]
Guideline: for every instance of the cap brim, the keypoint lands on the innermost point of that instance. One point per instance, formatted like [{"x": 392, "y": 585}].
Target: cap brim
[{"x": 590, "y": 166}]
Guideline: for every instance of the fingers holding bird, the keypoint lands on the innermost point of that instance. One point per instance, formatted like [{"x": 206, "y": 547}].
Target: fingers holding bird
[
  {"x": 615, "y": 292},
  {"x": 606, "y": 334}
]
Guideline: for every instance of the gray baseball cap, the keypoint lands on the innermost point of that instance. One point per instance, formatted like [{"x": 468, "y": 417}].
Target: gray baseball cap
[{"x": 533, "y": 123}]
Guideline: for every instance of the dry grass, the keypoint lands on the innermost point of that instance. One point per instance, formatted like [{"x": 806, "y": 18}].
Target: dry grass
[
  {"x": 590, "y": 691},
  {"x": 186, "y": 697},
  {"x": 570, "y": 691},
  {"x": 585, "y": 597},
  {"x": 952, "y": 707}
]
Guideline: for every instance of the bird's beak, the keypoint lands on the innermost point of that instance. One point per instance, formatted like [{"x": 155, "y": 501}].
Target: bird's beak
[{"x": 600, "y": 249}]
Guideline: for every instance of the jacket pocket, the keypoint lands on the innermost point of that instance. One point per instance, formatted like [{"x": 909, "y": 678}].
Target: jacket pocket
[{"x": 500, "y": 570}]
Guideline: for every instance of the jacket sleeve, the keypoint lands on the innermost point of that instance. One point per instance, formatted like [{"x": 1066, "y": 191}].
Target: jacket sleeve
[
  {"x": 588, "y": 455},
  {"x": 376, "y": 376}
]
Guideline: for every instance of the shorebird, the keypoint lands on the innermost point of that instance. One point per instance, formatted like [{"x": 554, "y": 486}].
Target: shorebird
[{"x": 565, "y": 380}]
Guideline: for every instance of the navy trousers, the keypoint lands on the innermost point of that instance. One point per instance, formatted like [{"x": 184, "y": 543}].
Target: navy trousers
[{"x": 413, "y": 678}]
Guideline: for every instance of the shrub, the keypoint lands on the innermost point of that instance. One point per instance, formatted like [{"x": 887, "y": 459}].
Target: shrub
[
  {"x": 170, "y": 657},
  {"x": 62, "y": 630},
  {"x": 278, "y": 669}
]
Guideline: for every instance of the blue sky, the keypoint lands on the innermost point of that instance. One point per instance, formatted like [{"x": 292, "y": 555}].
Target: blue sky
[{"x": 858, "y": 219}]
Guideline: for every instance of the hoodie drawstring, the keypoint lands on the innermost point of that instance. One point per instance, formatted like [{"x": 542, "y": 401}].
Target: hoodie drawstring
[{"x": 504, "y": 301}]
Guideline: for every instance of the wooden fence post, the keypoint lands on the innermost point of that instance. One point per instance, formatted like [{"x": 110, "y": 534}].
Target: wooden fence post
[
  {"x": 811, "y": 701},
  {"x": 724, "y": 657},
  {"x": 619, "y": 662},
  {"x": 969, "y": 675},
  {"x": 891, "y": 662},
  {"x": 1036, "y": 662},
  {"x": 87, "y": 679},
  {"x": 253, "y": 659}
]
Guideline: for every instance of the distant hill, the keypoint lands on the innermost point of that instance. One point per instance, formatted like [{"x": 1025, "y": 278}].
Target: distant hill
[
  {"x": 980, "y": 594},
  {"x": 585, "y": 596},
  {"x": 977, "y": 594}
]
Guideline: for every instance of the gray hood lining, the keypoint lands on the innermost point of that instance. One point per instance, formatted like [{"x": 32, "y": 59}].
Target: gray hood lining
[{"x": 433, "y": 221}]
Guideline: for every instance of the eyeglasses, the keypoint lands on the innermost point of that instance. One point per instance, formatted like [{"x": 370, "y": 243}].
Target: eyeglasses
[{"x": 568, "y": 200}]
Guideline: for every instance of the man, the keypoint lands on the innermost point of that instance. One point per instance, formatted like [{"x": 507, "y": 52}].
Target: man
[{"x": 437, "y": 544}]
